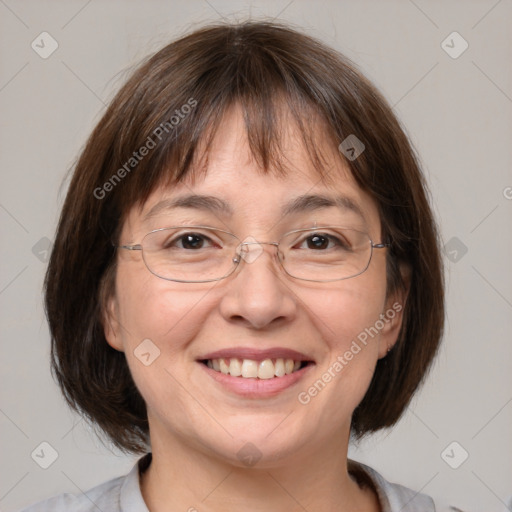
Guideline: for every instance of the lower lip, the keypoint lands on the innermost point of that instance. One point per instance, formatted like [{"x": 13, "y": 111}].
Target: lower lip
[{"x": 257, "y": 388}]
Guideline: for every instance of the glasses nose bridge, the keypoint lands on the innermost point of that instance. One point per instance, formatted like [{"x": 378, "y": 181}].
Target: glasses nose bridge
[
  {"x": 243, "y": 251},
  {"x": 256, "y": 242}
]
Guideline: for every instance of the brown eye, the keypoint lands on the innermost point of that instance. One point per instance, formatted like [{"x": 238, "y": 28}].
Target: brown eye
[
  {"x": 317, "y": 242},
  {"x": 323, "y": 241},
  {"x": 191, "y": 241}
]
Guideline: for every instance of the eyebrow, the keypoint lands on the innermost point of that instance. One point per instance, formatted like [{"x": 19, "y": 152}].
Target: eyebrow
[
  {"x": 192, "y": 201},
  {"x": 300, "y": 204},
  {"x": 312, "y": 202}
]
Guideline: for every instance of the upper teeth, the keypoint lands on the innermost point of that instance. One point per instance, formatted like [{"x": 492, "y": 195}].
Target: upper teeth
[{"x": 249, "y": 368}]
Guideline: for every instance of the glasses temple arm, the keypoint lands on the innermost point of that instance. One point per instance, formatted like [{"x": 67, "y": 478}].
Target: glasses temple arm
[{"x": 135, "y": 247}]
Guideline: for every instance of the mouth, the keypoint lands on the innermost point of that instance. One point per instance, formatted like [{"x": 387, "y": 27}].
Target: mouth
[
  {"x": 255, "y": 369},
  {"x": 255, "y": 373}
]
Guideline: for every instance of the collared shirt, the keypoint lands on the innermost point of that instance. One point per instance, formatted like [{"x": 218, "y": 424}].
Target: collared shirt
[{"x": 123, "y": 494}]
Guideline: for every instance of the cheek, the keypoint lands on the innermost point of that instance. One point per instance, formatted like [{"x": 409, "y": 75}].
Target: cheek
[
  {"x": 343, "y": 313},
  {"x": 345, "y": 317},
  {"x": 160, "y": 320},
  {"x": 167, "y": 313}
]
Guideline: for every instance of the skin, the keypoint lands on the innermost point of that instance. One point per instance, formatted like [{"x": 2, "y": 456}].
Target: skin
[{"x": 197, "y": 426}]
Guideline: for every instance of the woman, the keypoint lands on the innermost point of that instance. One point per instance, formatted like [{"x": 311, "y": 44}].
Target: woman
[{"x": 246, "y": 273}]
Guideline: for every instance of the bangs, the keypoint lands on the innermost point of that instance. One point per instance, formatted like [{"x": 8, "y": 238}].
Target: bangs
[{"x": 271, "y": 103}]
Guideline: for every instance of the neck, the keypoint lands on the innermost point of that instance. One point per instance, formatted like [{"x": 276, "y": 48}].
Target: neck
[{"x": 182, "y": 478}]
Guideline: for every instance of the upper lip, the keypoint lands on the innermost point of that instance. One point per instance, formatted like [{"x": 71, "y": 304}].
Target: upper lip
[{"x": 256, "y": 354}]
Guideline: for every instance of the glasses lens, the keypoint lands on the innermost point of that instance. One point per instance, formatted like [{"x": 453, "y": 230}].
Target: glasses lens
[
  {"x": 325, "y": 253},
  {"x": 189, "y": 253}
]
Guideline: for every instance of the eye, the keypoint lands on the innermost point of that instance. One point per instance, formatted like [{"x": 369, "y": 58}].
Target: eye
[
  {"x": 317, "y": 242},
  {"x": 323, "y": 241},
  {"x": 189, "y": 241}
]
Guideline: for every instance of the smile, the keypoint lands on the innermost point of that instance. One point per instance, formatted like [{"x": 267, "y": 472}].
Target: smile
[
  {"x": 253, "y": 369},
  {"x": 256, "y": 373}
]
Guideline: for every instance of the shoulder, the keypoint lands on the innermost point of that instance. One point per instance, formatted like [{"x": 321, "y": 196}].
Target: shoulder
[
  {"x": 120, "y": 494},
  {"x": 104, "y": 497},
  {"x": 395, "y": 497}
]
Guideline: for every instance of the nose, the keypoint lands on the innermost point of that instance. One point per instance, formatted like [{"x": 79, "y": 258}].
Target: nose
[{"x": 257, "y": 294}]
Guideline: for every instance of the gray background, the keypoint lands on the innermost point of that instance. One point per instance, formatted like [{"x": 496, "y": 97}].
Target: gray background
[{"x": 458, "y": 114}]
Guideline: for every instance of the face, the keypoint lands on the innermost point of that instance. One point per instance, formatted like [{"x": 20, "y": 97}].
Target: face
[{"x": 173, "y": 333}]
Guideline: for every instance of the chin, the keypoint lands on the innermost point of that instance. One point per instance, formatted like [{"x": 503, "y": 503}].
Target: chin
[{"x": 260, "y": 440}]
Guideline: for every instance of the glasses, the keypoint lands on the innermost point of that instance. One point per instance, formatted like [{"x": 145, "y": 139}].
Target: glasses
[{"x": 200, "y": 254}]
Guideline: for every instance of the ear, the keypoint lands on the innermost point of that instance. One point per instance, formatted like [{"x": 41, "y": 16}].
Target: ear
[
  {"x": 111, "y": 325},
  {"x": 392, "y": 316}
]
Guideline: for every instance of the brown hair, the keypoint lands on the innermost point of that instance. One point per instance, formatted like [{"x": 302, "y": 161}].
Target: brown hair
[{"x": 175, "y": 100}]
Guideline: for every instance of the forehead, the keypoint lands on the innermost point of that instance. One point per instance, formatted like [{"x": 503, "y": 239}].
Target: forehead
[{"x": 232, "y": 183}]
